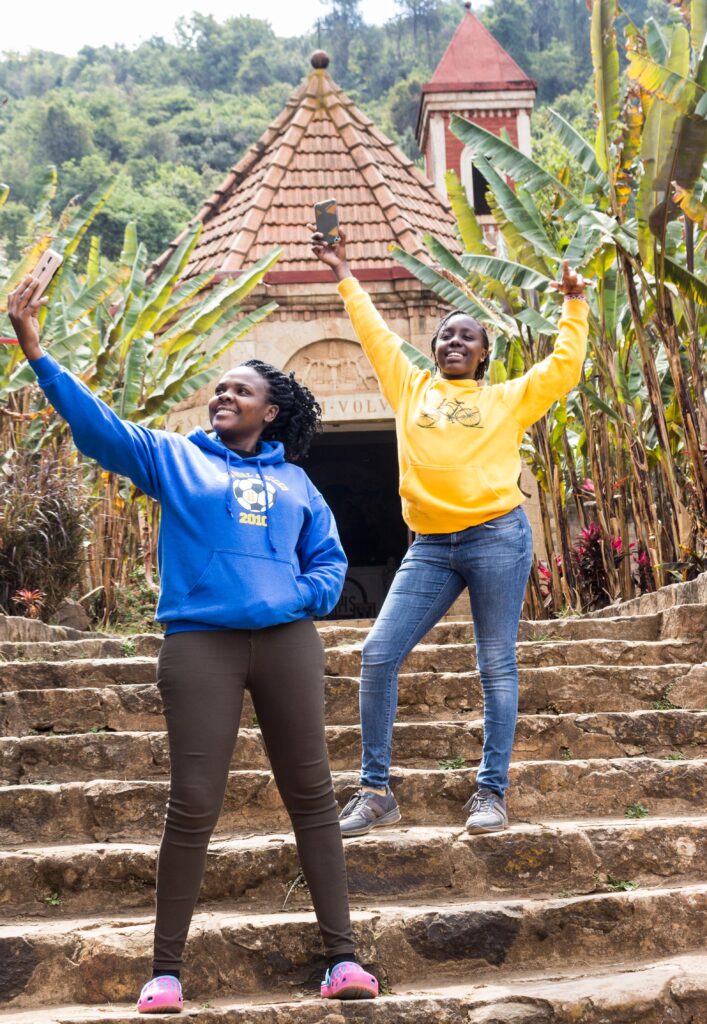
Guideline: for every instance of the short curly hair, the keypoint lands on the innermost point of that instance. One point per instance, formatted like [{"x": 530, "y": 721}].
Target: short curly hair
[
  {"x": 484, "y": 364},
  {"x": 299, "y": 417}
]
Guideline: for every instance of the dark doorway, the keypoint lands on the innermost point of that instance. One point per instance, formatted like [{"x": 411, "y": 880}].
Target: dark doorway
[
  {"x": 481, "y": 204},
  {"x": 357, "y": 472}
]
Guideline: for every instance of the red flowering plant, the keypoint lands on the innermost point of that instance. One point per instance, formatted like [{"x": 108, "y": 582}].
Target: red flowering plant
[{"x": 589, "y": 566}]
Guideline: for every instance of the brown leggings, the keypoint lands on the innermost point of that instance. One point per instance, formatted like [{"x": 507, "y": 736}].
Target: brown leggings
[{"x": 202, "y": 677}]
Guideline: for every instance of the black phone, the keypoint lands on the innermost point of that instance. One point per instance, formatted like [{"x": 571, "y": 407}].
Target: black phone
[{"x": 327, "y": 220}]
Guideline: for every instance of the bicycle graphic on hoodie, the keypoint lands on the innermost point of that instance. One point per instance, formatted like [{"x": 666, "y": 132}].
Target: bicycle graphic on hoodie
[{"x": 454, "y": 410}]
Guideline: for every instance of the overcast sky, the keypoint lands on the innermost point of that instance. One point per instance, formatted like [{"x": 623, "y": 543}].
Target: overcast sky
[{"x": 64, "y": 26}]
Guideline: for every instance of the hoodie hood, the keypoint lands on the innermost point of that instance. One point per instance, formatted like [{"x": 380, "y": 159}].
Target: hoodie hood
[{"x": 271, "y": 452}]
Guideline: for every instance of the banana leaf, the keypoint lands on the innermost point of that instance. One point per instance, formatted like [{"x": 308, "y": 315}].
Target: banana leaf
[
  {"x": 94, "y": 260},
  {"x": 238, "y": 331},
  {"x": 512, "y": 275},
  {"x": 134, "y": 376},
  {"x": 655, "y": 41},
  {"x": 181, "y": 298},
  {"x": 579, "y": 149},
  {"x": 90, "y": 298},
  {"x": 671, "y": 86},
  {"x": 503, "y": 156},
  {"x": 605, "y": 56},
  {"x": 84, "y": 217},
  {"x": 698, "y": 23},
  {"x": 691, "y": 286},
  {"x": 443, "y": 256},
  {"x": 531, "y": 318},
  {"x": 447, "y": 290},
  {"x": 417, "y": 358},
  {"x": 164, "y": 285},
  {"x": 470, "y": 231},
  {"x": 527, "y": 226}
]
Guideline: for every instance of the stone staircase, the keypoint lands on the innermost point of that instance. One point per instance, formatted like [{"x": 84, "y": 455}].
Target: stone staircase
[{"x": 591, "y": 908}]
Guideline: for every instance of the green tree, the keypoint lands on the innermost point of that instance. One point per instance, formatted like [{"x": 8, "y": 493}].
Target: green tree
[
  {"x": 511, "y": 23},
  {"x": 339, "y": 27},
  {"x": 64, "y": 131}
]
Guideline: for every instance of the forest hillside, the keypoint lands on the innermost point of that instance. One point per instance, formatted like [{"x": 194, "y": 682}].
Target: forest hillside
[{"x": 167, "y": 119}]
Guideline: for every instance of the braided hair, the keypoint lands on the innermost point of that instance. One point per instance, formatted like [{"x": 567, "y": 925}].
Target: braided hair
[
  {"x": 299, "y": 417},
  {"x": 484, "y": 364}
]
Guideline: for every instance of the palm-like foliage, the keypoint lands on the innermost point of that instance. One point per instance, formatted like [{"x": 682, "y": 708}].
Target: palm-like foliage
[
  {"x": 142, "y": 343},
  {"x": 627, "y": 450}
]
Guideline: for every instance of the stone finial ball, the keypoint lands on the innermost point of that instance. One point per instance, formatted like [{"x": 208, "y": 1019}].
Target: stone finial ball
[{"x": 320, "y": 59}]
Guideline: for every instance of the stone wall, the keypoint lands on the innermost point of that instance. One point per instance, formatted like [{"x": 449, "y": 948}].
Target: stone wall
[{"x": 692, "y": 592}]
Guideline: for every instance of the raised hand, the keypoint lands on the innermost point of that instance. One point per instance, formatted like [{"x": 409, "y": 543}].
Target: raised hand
[
  {"x": 23, "y": 307},
  {"x": 572, "y": 284},
  {"x": 333, "y": 255}
]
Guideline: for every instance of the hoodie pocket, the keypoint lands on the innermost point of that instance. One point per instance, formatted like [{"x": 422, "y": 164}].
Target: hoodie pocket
[
  {"x": 449, "y": 487},
  {"x": 242, "y": 591}
]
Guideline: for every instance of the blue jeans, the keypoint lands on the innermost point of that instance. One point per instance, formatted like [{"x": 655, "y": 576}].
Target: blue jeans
[{"x": 493, "y": 560}]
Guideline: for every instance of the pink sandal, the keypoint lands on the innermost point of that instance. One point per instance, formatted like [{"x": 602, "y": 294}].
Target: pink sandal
[
  {"x": 349, "y": 981},
  {"x": 161, "y": 995}
]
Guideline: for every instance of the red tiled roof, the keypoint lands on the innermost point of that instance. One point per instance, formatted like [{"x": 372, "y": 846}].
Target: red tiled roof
[
  {"x": 320, "y": 145},
  {"x": 475, "y": 61}
]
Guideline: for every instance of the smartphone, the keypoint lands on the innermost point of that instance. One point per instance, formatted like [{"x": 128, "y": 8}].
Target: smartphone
[
  {"x": 327, "y": 220},
  {"x": 46, "y": 269}
]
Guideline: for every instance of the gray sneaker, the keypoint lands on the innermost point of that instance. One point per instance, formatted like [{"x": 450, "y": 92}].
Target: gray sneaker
[
  {"x": 488, "y": 812},
  {"x": 365, "y": 811}
]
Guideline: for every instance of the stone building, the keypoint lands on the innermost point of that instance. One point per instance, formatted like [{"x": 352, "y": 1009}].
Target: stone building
[{"x": 322, "y": 145}]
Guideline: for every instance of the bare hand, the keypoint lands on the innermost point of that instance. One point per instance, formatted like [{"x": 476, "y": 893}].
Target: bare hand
[
  {"x": 23, "y": 308},
  {"x": 572, "y": 284},
  {"x": 333, "y": 254}
]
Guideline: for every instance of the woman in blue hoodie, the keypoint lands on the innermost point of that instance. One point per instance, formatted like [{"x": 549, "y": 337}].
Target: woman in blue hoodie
[{"x": 248, "y": 554}]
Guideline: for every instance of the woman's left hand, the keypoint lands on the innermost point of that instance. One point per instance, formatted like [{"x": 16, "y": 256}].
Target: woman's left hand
[
  {"x": 572, "y": 284},
  {"x": 23, "y": 308}
]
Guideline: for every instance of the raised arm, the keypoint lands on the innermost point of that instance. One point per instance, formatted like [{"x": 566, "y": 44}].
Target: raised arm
[
  {"x": 117, "y": 445},
  {"x": 529, "y": 397},
  {"x": 382, "y": 346}
]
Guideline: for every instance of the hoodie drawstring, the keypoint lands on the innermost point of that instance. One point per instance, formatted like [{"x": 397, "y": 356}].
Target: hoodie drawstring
[
  {"x": 267, "y": 507},
  {"x": 229, "y": 485}
]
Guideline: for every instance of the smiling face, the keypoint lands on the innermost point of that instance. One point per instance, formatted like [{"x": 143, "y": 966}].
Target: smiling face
[
  {"x": 241, "y": 408},
  {"x": 460, "y": 347}
]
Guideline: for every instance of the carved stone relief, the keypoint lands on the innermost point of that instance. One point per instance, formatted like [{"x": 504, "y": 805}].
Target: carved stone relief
[{"x": 333, "y": 368}]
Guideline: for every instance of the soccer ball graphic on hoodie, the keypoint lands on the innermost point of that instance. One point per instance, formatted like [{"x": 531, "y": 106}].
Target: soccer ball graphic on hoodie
[{"x": 250, "y": 494}]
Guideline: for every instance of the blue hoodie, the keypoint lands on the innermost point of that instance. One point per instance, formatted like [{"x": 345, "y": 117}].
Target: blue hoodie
[{"x": 244, "y": 542}]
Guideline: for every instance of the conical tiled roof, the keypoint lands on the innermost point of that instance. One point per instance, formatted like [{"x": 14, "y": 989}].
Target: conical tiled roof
[
  {"x": 475, "y": 61},
  {"x": 321, "y": 145}
]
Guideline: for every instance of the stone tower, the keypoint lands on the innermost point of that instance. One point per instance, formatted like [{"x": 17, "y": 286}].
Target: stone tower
[{"x": 477, "y": 79}]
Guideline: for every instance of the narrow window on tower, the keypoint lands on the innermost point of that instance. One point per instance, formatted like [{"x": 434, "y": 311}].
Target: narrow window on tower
[{"x": 481, "y": 205}]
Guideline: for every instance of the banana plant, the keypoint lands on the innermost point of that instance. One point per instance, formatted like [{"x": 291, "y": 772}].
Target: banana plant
[
  {"x": 144, "y": 343},
  {"x": 637, "y": 428}
]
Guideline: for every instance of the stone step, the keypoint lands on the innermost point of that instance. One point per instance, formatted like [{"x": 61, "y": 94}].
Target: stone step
[
  {"x": 346, "y": 661},
  {"x": 563, "y": 858},
  {"x": 668, "y": 991},
  {"x": 687, "y": 622},
  {"x": 106, "y": 960},
  {"x": 422, "y": 696},
  {"x": 108, "y": 809},
  {"x": 143, "y": 645},
  {"x": 145, "y": 755}
]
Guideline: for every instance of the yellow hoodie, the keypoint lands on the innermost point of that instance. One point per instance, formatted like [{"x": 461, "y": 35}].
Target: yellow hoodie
[{"x": 458, "y": 440}]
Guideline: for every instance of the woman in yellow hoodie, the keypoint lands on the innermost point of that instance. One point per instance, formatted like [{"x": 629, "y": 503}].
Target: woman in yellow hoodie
[{"x": 459, "y": 456}]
